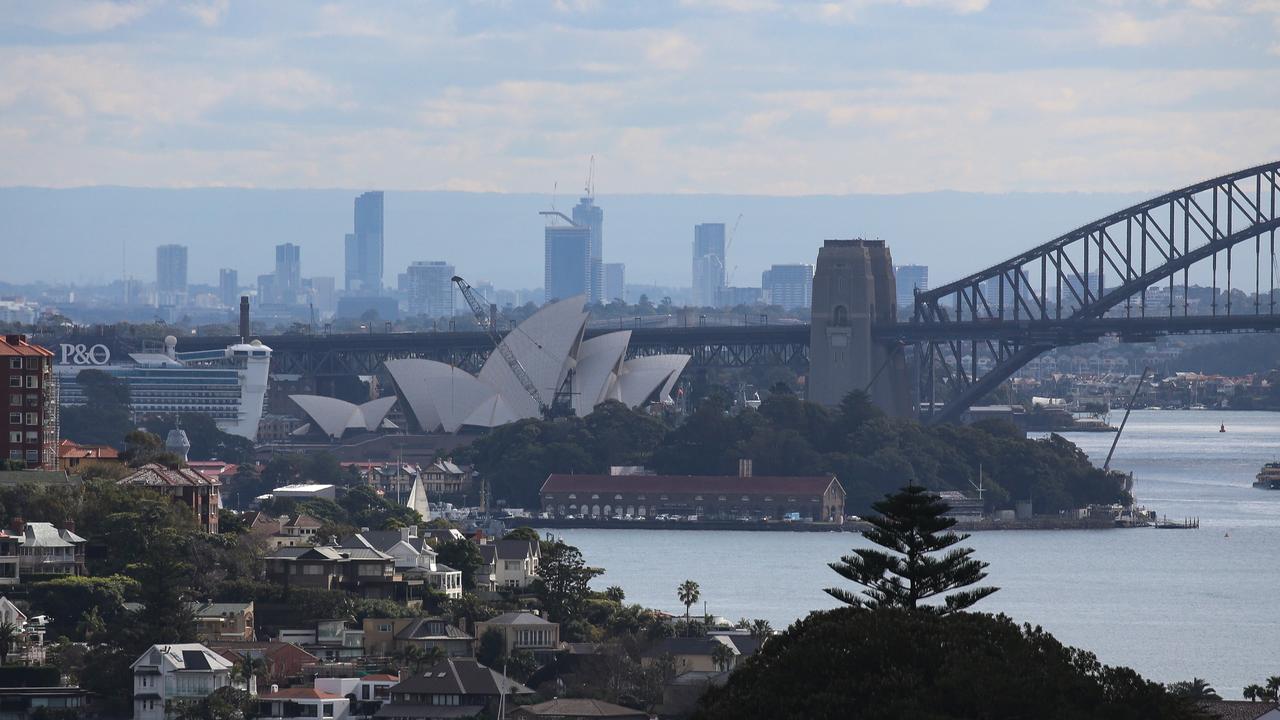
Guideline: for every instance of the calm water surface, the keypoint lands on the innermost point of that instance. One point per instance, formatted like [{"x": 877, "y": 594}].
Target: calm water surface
[{"x": 1172, "y": 604}]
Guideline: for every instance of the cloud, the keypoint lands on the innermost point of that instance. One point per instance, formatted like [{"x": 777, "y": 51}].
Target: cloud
[
  {"x": 672, "y": 51},
  {"x": 73, "y": 17},
  {"x": 209, "y": 14}
]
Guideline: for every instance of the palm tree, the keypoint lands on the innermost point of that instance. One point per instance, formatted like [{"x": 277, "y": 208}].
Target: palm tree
[
  {"x": 721, "y": 655},
  {"x": 689, "y": 593},
  {"x": 1255, "y": 693},
  {"x": 10, "y": 638},
  {"x": 250, "y": 666},
  {"x": 1194, "y": 689},
  {"x": 760, "y": 629},
  {"x": 415, "y": 659}
]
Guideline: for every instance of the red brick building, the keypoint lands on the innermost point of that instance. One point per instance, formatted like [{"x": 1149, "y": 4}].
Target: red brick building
[
  {"x": 184, "y": 485},
  {"x": 725, "y": 497},
  {"x": 29, "y": 423}
]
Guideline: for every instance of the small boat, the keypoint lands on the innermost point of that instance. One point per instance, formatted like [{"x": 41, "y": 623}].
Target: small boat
[
  {"x": 1269, "y": 477},
  {"x": 1222, "y": 427}
]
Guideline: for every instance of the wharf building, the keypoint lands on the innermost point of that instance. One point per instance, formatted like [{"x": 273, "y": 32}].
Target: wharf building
[
  {"x": 788, "y": 286},
  {"x": 29, "y": 425},
  {"x": 708, "y": 263},
  {"x": 364, "y": 247},
  {"x": 721, "y": 497}
]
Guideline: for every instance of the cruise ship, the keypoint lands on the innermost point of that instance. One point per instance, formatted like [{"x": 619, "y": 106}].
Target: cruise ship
[{"x": 229, "y": 384}]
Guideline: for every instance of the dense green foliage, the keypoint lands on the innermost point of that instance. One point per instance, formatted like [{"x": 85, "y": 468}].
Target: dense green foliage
[
  {"x": 563, "y": 583},
  {"x": 889, "y": 664},
  {"x": 871, "y": 454},
  {"x": 912, "y": 526},
  {"x": 104, "y": 418}
]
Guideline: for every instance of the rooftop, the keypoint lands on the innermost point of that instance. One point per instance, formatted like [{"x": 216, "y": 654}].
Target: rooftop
[
  {"x": 11, "y": 345},
  {"x": 299, "y": 694},
  {"x": 156, "y": 475}
]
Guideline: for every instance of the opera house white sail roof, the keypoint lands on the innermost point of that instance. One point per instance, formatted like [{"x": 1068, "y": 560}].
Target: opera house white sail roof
[{"x": 549, "y": 345}]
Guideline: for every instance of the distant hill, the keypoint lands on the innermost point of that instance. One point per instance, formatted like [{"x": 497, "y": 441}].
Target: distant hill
[{"x": 77, "y": 234}]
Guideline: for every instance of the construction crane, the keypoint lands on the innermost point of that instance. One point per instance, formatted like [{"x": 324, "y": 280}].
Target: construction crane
[
  {"x": 482, "y": 316},
  {"x": 590, "y": 188},
  {"x": 728, "y": 244}
]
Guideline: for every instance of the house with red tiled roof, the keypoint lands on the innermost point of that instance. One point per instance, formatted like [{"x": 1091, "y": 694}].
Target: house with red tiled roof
[
  {"x": 720, "y": 497},
  {"x": 71, "y": 455},
  {"x": 184, "y": 485},
  {"x": 303, "y": 703}
]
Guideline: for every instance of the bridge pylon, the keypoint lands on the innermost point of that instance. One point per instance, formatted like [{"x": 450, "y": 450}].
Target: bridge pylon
[{"x": 854, "y": 290}]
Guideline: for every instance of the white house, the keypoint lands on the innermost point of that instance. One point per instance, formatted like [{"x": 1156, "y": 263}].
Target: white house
[
  {"x": 303, "y": 702},
  {"x": 413, "y": 556},
  {"x": 509, "y": 563},
  {"x": 166, "y": 674}
]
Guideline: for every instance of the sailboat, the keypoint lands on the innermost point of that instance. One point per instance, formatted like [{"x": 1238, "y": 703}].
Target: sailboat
[{"x": 1222, "y": 427}]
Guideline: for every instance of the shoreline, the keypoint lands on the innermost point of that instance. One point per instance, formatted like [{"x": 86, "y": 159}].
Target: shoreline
[{"x": 1044, "y": 523}]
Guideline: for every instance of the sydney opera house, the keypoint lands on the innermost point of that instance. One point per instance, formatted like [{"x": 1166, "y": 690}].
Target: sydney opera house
[{"x": 549, "y": 346}]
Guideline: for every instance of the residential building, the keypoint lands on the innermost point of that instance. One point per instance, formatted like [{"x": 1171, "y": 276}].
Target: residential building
[
  {"x": 431, "y": 289},
  {"x": 297, "y": 531},
  {"x": 709, "y": 653},
  {"x": 165, "y": 674},
  {"x": 306, "y": 491},
  {"x": 414, "y": 558},
  {"x": 364, "y": 247},
  {"x": 29, "y": 423},
  {"x": 509, "y": 563},
  {"x": 171, "y": 275},
  {"x": 367, "y": 692},
  {"x": 708, "y": 263},
  {"x": 280, "y": 660},
  {"x": 355, "y": 567},
  {"x": 523, "y": 631},
  {"x": 587, "y": 214},
  {"x": 330, "y": 641},
  {"x": 908, "y": 279},
  {"x": 452, "y": 688},
  {"x": 223, "y": 621},
  {"x": 71, "y": 455},
  {"x": 10, "y": 553},
  {"x": 48, "y": 550},
  {"x": 384, "y": 637},
  {"x": 229, "y": 287},
  {"x": 47, "y": 700},
  {"x": 302, "y": 702},
  {"x": 820, "y": 498},
  {"x": 567, "y": 260},
  {"x": 577, "y": 709},
  {"x": 288, "y": 284},
  {"x": 731, "y": 297},
  {"x": 615, "y": 283},
  {"x": 788, "y": 286},
  {"x": 29, "y": 648},
  {"x": 443, "y": 477},
  {"x": 193, "y": 489}
]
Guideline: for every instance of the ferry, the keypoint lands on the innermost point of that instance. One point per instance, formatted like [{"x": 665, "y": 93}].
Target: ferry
[{"x": 1269, "y": 477}]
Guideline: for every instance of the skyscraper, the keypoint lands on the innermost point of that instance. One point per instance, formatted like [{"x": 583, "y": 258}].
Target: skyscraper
[
  {"x": 615, "y": 282},
  {"x": 364, "y": 246},
  {"x": 708, "y": 263},
  {"x": 171, "y": 274},
  {"x": 788, "y": 286},
  {"x": 586, "y": 213},
  {"x": 908, "y": 279},
  {"x": 567, "y": 256},
  {"x": 288, "y": 283},
  {"x": 430, "y": 287},
  {"x": 229, "y": 287}
]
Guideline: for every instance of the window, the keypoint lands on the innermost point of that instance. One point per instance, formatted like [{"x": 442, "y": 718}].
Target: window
[
  {"x": 840, "y": 316},
  {"x": 15, "y": 454},
  {"x": 33, "y": 436},
  {"x": 33, "y": 400},
  {"x": 33, "y": 456},
  {"x": 312, "y": 569},
  {"x": 15, "y": 418},
  {"x": 15, "y": 399},
  {"x": 33, "y": 418},
  {"x": 15, "y": 436},
  {"x": 15, "y": 363},
  {"x": 384, "y": 627},
  {"x": 15, "y": 381},
  {"x": 370, "y": 569},
  {"x": 33, "y": 381}
]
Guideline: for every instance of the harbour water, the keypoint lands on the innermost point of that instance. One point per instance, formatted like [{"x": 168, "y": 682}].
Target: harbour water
[{"x": 1171, "y": 604}]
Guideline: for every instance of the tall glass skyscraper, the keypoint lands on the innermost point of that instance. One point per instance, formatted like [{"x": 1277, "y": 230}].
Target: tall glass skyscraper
[
  {"x": 171, "y": 274},
  {"x": 364, "y": 247},
  {"x": 288, "y": 284},
  {"x": 708, "y": 263},
  {"x": 908, "y": 279},
  {"x": 586, "y": 213},
  {"x": 229, "y": 287},
  {"x": 567, "y": 254},
  {"x": 431, "y": 289}
]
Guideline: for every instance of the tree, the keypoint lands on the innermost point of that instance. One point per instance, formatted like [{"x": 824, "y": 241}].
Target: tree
[
  {"x": 415, "y": 659},
  {"x": 1197, "y": 689},
  {"x": 689, "y": 593},
  {"x": 722, "y": 656},
  {"x": 461, "y": 555},
  {"x": 894, "y": 663},
  {"x": 523, "y": 533},
  {"x": 911, "y": 524},
  {"x": 10, "y": 638},
  {"x": 761, "y": 629},
  {"x": 1270, "y": 692},
  {"x": 564, "y": 581},
  {"x": 492, "y": 648}
]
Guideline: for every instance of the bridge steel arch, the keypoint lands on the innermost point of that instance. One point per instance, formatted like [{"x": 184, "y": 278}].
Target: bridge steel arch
[{"x": 973, "y": 334}]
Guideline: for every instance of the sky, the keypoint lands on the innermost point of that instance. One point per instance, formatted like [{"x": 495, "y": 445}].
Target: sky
[{"x": 669, "y": 96}]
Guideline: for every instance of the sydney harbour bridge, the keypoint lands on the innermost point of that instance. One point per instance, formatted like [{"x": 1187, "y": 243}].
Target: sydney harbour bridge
[{"x": 1132, "y": 274}]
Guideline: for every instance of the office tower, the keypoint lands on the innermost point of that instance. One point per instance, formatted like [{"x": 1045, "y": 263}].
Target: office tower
[
  {"x": 288, "y": 273},
  {"x": 229, "y": 287},
  {"x": 430, "y": 288},
  {"x": 587, "y": 214},
  {"x": 29, "y": 427},
  {"x": 567, "y": 257},
  {"x": 171, "y": 274},
  {"x": 615, "y": 282},
  {"x": 708, "y": 263},
  {"x": 364, "y": 246},
  {"x": 910, "y": 278},
  {"x": 321, "y": 294},
  {"x": 788, "y": 286},
  {"x": 268, "y": 292}
]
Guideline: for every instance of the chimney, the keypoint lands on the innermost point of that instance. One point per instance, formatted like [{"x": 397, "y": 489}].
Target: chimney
[
  {"x": 404, "y": 534},
  {"x": 18, "y": 525},
  {"x": 744, "y": 467},
  {"x": 244, "y": 318},
  {"x": 69, "y": 525},
  {"x": 413, "y": 531}
]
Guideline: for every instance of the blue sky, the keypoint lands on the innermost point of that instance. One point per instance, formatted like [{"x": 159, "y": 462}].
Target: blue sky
[{"x": 677, "y": 96}]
